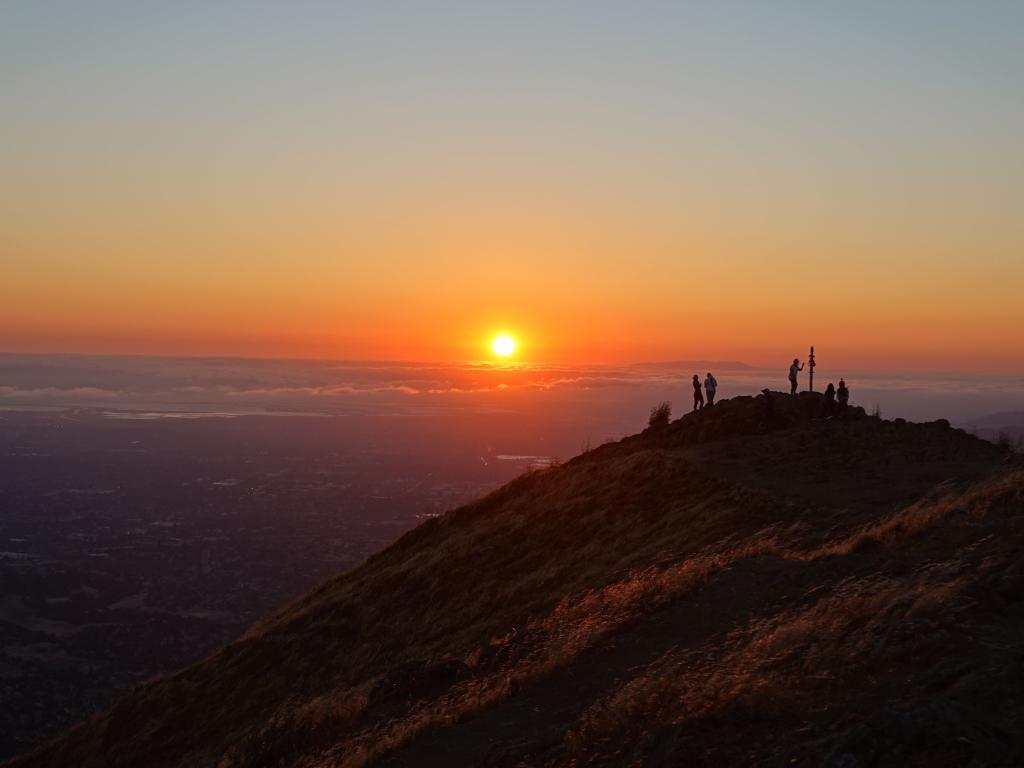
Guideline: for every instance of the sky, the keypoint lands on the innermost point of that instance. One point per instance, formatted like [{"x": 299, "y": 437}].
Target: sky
[{"x": 606, "y": 182}]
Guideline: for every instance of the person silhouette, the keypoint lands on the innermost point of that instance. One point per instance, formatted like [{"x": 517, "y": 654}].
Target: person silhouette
[
  {"x": 710, "y": 387},
  {"x": 830, "y": 399},
  {"x": 698, "y": 397},
  {"x": 794, "y": 369},
  {"x": 843, "y": 396}
]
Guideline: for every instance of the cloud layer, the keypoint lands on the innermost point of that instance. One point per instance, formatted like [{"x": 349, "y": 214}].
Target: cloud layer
[{"x": 330, "y": 387}]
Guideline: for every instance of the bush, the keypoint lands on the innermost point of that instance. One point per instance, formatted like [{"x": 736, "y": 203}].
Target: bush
[{"x": 660, "y": 415}]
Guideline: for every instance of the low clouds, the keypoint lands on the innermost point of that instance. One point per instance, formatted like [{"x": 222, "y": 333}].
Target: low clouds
[
  {"x": 143, "y": 382},
  {"x": 337, "y": 387}
]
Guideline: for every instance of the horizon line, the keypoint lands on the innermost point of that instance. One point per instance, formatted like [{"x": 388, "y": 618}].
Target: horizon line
[{"x": 727, "y": 365}]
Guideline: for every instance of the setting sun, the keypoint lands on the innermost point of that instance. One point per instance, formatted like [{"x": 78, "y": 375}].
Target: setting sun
[{"x": 504, "y": 345}]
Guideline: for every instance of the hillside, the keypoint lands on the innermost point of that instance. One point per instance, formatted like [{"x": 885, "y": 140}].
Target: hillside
[{"x": 747, "y": 586}]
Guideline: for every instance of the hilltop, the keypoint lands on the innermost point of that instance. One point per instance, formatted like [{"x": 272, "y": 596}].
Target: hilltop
[{"x": 748, "y": 585}]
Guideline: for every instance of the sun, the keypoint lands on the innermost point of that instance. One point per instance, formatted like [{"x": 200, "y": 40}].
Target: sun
[{"x": 503, "y": 345}]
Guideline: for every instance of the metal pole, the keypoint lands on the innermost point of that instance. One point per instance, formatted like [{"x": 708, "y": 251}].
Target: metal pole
[{"x": 810, "y": 364}]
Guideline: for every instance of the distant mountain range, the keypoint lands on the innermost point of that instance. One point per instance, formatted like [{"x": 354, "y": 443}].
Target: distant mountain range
[
  {"x": 1002, "y": 419},
  {"x": 752, "y": 584},
  {"x": 1006, "y": 425}
]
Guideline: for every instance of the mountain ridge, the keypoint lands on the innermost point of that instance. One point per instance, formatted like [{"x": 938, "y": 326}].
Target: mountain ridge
[{"x": 633, "y": 605}]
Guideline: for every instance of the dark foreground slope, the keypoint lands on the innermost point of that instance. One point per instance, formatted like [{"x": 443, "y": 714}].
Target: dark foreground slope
[{"x": 746, "y": 586}]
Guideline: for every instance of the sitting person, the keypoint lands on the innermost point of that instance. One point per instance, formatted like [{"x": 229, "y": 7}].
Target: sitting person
[{"x": 830, "y": 399}]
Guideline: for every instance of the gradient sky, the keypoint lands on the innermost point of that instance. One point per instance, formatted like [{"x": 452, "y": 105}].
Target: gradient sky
[{"x": 606, "y": 181}]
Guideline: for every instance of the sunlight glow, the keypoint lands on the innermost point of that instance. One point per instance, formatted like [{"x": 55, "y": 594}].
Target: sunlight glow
[{"x": 504, "y": 345}]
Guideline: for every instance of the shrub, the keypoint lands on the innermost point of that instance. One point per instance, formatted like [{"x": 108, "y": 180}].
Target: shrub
[{"x": 660, "y": 415}]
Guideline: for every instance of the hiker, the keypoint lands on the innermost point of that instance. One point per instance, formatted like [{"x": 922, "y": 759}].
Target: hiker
[
  {"x": 794, "y": 369},
  {"x": 698, "y": 398},
  {"x": 830, "y": 400},
  {"x": 842, "y": 396},
  {"x": 710, "y": 386}
]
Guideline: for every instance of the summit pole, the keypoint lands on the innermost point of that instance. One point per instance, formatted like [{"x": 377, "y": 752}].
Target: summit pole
[{"x": 811, "y": 364}]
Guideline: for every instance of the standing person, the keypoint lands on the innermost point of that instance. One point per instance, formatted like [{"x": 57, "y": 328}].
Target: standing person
[
  {"x": 830, "y": 399},
  {"x": 710, "y": 387},
  {"x": 843, "y": 396},
  {"x": 794, "y": 369},
  {"x": 698, "y": 398}
]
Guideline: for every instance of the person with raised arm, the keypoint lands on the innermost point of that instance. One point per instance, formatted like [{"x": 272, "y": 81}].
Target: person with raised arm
[{"x": 794, "y": 369}]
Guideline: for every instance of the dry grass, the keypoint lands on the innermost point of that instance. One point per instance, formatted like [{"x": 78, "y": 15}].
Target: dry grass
[
  {"x": 794, "y": 662},
  {"x": 560, "y": 637},
  {"x": 934, "y": 514},
  {"x": 299, "y": 725},
  {"x": 786, "y": 664}
]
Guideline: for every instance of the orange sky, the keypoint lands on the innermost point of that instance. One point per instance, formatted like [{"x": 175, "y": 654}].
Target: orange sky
[{"x": 627, "y": 192}]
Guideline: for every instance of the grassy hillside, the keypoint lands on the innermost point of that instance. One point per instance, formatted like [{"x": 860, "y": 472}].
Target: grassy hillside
[{"x": 749, "y": 585}]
